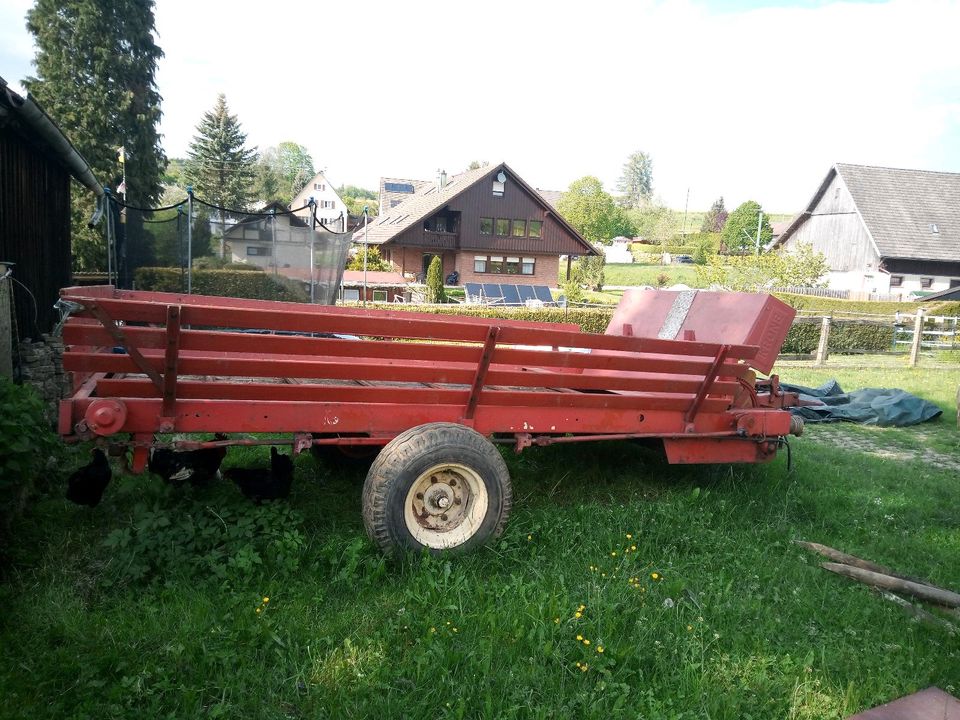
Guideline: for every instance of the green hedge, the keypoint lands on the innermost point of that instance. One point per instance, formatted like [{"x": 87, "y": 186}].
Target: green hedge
[
  {"x": 591, "y": 320},
  {"x": 227, "y": 283},
  {"x": 845, "y": 336},
  {"x": 828, "y": 305}
]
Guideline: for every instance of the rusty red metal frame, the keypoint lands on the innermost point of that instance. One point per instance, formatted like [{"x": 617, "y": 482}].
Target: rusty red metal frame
[{"x": 188, "y": 367}]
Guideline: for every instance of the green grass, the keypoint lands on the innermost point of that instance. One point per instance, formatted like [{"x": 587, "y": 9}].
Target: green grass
[
  {"x": 638, "y": 274},
  {"x": 755, "y": 629}
]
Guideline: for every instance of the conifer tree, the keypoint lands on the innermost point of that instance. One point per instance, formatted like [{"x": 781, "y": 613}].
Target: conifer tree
[
  {"x": 95, "y": 76},
  {"x": 220, "y": 167}
]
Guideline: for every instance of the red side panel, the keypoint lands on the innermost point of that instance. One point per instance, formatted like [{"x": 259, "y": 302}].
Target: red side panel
[{"x": 718, "y": 317}]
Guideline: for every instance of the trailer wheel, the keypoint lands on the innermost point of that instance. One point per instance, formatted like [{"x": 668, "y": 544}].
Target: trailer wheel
[{"x": 439, "y": 486}]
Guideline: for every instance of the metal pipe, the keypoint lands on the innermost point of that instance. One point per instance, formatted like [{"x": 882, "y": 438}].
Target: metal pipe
[
  {"x": 189, "y": 239},
  {"x": 313, "y": 237}
]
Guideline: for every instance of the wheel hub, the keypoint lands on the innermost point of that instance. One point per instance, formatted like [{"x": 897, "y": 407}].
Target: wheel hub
[{"x": 445, "y": 504}]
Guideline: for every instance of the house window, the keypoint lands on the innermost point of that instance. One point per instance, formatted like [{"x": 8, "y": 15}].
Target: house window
[
  {"x": 480, "y": 263},
  {"x": 528, "y": 267},
  {"x": 535, "y": 229},
  {"x": 351, "y": 294},
  {"x": 394, "y": 203},
  {"x": 316, "y": 186},
  {"x": 513, "y": 266},
  {"x": 379, "y": 295},
  {"x": 495, "y": 265},
  {"x": 926, "y": 282},
  {"x": 486, "y": 226},
  {"x": 258, "y": 251},
  {"x": 519, "y": 228},
  {"x": 896, "y": 281},
  {"x": 497, "y": 188},
  {"x": 503, "y": 226}
]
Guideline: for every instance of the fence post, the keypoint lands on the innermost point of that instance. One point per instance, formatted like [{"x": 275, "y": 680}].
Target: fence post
[
  {"x": 822, "y": 351},
  {"x": 917, "y": 338}
]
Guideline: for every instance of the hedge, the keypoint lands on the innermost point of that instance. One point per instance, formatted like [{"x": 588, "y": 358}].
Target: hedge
[
  {"x": 591, "y": 320},
  {"x": 227, "y": 283},
  {"x": 833, "y": 305}
]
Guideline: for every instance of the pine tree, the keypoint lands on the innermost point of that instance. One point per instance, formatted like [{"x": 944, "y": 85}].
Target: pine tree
[
  {"x": 95, "y": 76},
  {"x": 220, "y": 167},
  {"x": 715, "y": 218},
  {"x": 636, "y": 182}
]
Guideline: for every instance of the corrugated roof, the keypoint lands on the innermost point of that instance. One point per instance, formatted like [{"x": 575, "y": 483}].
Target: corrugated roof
[{"x": 909, "y": 214}]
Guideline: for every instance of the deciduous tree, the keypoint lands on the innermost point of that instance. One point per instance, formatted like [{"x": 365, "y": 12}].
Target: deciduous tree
[
  {"x": 803, "y": 267},
  {"x": 740, "y": 232},
  {"x": 592, "y": 211},
  {"x": 283, "y": 171},
  {"x": 95, "y": 76},
  {"x": 636, "y": 182}
]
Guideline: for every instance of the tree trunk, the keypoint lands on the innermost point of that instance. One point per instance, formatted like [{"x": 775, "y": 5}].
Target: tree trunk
[
  {"x": 842, "y": 557},
  {"x": 928, "y": 593}
]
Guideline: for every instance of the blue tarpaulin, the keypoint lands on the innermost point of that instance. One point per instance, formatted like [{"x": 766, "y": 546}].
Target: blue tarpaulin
[{"x": 871, "y": 406}]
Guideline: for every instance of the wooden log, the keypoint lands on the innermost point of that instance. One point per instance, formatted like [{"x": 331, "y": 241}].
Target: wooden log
[
  {"x": 928, "y": 593},
  {"x": 918, "y": 612},
  {"x": 842, "y": 557}
]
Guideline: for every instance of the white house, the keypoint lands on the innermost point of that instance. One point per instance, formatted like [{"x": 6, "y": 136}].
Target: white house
[
  {"x": 331, "y": 210},
  {"x": 618, "y": 251},
  {"x": 883, "y": 230}
]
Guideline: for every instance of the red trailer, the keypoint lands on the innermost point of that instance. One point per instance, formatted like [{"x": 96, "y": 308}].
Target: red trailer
[{"x": 431, "y": 393}]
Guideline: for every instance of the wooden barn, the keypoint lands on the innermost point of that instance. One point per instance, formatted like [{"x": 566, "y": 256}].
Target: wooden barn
[
  {"x": 883, "y": 230},
  {"x": 36, "y": 164}
]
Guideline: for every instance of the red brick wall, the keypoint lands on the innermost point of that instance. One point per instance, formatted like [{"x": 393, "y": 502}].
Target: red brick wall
[
  {"x": 545, "y": 272},
  {"x": 410, "y": 260}
]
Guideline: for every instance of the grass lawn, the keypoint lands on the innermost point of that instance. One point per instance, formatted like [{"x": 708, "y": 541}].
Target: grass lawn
[
  {"x": 638, "y": 274},
  {"x": 685, "y": 577}
]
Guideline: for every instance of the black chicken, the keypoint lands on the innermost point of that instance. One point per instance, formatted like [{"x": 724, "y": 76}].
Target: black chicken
[
  {"x": 86, "y": 485},
  {"x": 261, "y": 484},
  {"x": 197, "y": 466}
]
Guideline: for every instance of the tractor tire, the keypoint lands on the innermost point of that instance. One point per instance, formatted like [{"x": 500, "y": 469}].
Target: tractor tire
[{"x": 440, "y": 487}]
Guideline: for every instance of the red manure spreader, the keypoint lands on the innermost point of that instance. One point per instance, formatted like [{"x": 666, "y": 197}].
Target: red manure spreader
[{"x": 429, "y": 393}]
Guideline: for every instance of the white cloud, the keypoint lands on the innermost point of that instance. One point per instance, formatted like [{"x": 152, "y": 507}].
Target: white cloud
[{"x": 753, "y": 104}]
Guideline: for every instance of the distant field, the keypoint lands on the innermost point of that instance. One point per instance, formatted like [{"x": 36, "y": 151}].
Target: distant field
[
  {"x": 640, "y": 274},
  {"x": 695, "y": 220}
]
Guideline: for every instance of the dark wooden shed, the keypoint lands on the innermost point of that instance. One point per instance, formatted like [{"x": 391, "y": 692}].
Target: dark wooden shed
[{"x": 36, "y": 164}]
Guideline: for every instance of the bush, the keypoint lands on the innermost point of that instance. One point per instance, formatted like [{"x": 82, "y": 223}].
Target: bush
[
  {"x": 227, "y": 283},
  {"x": 29, "y": 447},
  {"x": 435, "y": 292},
  {"x": 591, "y": 320},
  {"x": 845, "y": 336},
  {"x": 833, "y": 305}
]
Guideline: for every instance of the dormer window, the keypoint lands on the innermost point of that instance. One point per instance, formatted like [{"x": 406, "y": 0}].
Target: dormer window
[{"x": 934, "y": 229}]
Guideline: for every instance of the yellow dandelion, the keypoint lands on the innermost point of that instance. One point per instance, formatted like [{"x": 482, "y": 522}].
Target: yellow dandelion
[
  {"x": 578, "y": 614},
  {"x": 689, "y": 628},
  {"x": 578, "y": 663},
  {"x": 455, "y": 630},
  {"x": 266, "y": 599},
  {"x": 603, "y": 574},
  {"x": 433, "y": 629},
  {"x": 600, "y": 649},
  {"x": 629, "y": 536},
  {"x": 579, "y": 638},
  {"x": 633, "y": 547},
  {"x": 586, "y": 642},
  {"x": 529, "y": 538},
  {"x": 581, "y": 608},
  {"x": 584, "y": 667},
  {"x": 613, "y": 554},
  {"x": 655, "y": 576},
  {"x": 258, "y": 609},
  {"x": 556, "y": 621}
]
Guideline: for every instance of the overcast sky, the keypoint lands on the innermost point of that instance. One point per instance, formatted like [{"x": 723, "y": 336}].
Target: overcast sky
[{"x": 740, "y": 98}]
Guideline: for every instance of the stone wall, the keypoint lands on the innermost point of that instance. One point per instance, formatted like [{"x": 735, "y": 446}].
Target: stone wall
[{"x": 41, "y": 367}]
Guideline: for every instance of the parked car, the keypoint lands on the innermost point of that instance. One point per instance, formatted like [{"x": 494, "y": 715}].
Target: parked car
[{"x": 685, "y": 259}]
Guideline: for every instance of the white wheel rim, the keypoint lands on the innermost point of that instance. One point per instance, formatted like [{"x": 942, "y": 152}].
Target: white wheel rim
[{"x": 445, "y": 506}]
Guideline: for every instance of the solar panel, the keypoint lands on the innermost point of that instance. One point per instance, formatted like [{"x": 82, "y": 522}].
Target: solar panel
[
  {"x": 398, "y": 187},
  {"x": 491, "y": 291},
  {"x": 473, "y": 290},
  {"x": 542, "y": 292},
  {"x": 511, "y": 296},
  {"x": 526, "y": 292}
]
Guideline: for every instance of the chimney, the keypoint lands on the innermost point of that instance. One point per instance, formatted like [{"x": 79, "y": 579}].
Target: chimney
[{"x": 441, "y": 179}]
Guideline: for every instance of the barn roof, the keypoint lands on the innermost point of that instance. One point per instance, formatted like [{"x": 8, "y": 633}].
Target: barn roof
[{"x": 909, "y": 214}]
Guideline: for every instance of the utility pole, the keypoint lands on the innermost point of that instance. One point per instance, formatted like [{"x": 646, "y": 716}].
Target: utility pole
[
  {"x": 366, "y": 242},
  {"x": 273, "y": 233},
  {"x": 759, "y": 223},
  {"x": 686, "y": 205}
]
